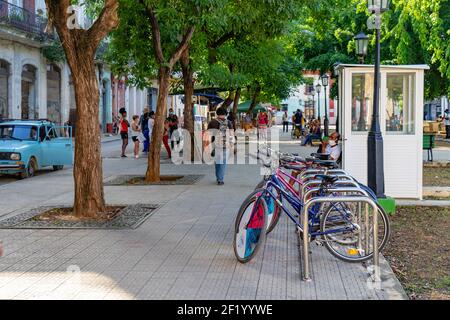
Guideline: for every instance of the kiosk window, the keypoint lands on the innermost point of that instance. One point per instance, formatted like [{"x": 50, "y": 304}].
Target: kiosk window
[
  {"x": 362, "y": 101},
  {"x": 400, "y": 103}
]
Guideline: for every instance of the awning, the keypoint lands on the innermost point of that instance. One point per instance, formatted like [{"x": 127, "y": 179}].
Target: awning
[{"x": 243, "y": 107}]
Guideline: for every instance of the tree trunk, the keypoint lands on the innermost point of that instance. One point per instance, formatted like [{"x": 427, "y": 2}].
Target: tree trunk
[
  {"x": 229, "y": 99},
  {"x": 87, "y": 171},
  {"x": 237, "y": 96},
  {"x": 153, "y": 169},
  {"x": 254, "y": 99},
  {"x": 188, "y": 80}
]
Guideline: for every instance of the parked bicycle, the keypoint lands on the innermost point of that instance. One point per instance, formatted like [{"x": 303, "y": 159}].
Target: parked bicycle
[{"x": 344, "y": 228}]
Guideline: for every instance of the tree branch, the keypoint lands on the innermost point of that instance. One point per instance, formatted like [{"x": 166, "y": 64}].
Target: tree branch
[
  {"x": 106, "y": 22},
  {"x": 156, "y": 32},
  {"x": 184, "y": 44}
]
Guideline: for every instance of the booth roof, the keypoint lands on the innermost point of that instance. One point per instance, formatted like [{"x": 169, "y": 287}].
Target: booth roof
[
  {"x": 383, "y": 66},
  {"x": 243, "y": 107}
]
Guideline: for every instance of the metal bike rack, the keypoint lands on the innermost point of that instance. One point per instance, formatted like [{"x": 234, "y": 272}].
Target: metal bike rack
[
  {"x": 338, "y": 190},
  {"x": 338, "y": 175},
  {"x": 309, "y": 203},
  {"x": 321, "y": 171},
  {"x": 319, "y": 182}
]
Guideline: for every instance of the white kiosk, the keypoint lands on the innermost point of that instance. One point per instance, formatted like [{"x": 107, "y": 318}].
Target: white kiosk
[{"x": 401, "y": 122}]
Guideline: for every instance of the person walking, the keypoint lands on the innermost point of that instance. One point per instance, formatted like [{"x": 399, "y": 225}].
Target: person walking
[
  {"x": 223, "y": 140},
  {"x": 124, "y": 125},
  {"x": 143, "y": 122},
  {"x": 263, "y": 121},
  {"x": 173, "y": 125},
  {"x": 166, "y": 139},
  {"x": 285, "y": 122},
  {"x": 446, "y": 119},
  {"x": 135, "y": 131}
]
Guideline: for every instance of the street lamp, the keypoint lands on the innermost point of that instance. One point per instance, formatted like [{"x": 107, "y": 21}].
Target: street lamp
[
  {"x": 375, "y": 157},
  {"x": 318, "y": 89},
  {"x": 313, "y": 93},
  {"x": 361, "y": 42},
  {"x": 325, "y": 80}
]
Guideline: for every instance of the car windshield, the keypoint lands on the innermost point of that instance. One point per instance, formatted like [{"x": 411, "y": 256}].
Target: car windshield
[{"x": 18, "y": 132}]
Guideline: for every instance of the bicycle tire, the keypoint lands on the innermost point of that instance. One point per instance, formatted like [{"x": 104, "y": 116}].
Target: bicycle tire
[
  {"x": 387, "y": 231},
  {"x": 247, "y": 244}
]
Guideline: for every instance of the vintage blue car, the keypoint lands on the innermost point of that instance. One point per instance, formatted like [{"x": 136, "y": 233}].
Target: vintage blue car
[{"x": 29, "y": 145}]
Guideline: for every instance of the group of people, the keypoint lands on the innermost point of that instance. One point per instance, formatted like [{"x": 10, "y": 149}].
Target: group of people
[{"x": 141, "y": 129}]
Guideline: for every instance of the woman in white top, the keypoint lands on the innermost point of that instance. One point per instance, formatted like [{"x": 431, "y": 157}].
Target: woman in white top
[
  {"x": 151, "y": 123},
  {"x": 135, "y": 131}
]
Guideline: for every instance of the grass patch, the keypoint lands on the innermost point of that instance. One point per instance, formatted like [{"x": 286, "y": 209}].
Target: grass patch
[
  {"x": 419, "y": 251},
  {"x": 436, "y": 176}
]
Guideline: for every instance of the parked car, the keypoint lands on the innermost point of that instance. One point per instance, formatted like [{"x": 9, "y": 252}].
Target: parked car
[{"x": 30, "y": 145}]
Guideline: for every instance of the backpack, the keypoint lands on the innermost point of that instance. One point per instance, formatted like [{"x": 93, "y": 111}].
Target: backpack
[{"x": 223, "y": 127}]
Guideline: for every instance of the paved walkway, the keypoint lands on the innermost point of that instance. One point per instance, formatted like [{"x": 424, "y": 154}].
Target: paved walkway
[{"x": 183, "y": 251}]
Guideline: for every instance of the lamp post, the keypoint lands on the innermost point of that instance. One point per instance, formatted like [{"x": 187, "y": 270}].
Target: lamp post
[
  {"x": 325, "y": 121},
  {"x": 375, "y": 157},
  {"x": 336, "y": 74},
  {"x": 313, "y": 93},
  {"x": 318, "y": 89}
]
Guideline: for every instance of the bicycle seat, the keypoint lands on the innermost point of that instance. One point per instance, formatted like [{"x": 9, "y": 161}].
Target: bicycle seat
[
  {"x": 321, "y": 156},
  {"x": 293, "y": 167},
  {"x": 326, "y": 178},
  {"x": 330, "y": 164}
]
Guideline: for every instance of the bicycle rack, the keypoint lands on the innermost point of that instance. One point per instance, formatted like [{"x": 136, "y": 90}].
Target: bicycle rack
[
  {"x": 318, "y": 182},
  {"x": 320, "y": 171},
  {"x": 306, "y": 238}
]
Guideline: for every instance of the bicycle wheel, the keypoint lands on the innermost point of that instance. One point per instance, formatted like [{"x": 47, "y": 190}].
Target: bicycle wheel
[
  {"x": 355, "y": 242},
  {"x": 273, "y": 209},
  {"x": 250, "y": 227}
]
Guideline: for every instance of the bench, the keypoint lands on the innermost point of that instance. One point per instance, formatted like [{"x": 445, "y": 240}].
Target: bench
[{"x": 428, "y": 144}]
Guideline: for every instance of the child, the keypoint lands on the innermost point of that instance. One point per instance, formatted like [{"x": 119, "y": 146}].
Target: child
[
  {"x": 135, "y": 131},
  {"x": 124, "y": 125}
]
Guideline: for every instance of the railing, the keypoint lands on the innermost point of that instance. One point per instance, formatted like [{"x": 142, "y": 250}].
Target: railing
[{"x": 22, "y": 19}]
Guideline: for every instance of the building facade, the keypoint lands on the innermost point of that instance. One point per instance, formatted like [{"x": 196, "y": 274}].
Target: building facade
[{"x": 31, "y": 87}]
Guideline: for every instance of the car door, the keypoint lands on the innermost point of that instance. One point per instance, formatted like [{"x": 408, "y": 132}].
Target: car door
[{"x": 56, "y": 147}]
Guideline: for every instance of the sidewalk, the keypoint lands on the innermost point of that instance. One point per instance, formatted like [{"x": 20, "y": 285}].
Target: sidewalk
[{"x": 183, "y": 251}]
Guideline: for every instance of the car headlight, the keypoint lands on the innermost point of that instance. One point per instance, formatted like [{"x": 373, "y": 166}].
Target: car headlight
[{"x": 15, "y": 156}]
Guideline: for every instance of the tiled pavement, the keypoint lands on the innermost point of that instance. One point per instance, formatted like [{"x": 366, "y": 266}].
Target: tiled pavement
[{"x": 183, "y": 251}]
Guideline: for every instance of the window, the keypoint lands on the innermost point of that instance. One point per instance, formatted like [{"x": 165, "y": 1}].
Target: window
[
  {"x": 18, "y": 132},
  {"x": 400, "y": 104},
  {"x": 362, "y": 101}
]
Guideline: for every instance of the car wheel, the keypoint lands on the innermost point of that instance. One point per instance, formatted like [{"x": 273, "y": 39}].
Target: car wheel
[
  {"x": 30, "y": 170},
  {"x": 56, "y": 168}
]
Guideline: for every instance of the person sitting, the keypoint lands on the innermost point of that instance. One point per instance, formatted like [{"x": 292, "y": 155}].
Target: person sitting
[
  {"x": 315, "y": 133},
  {"x": 332, "y": 148}
]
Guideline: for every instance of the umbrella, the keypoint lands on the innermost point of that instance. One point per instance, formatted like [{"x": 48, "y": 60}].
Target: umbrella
[{"x": 243, "y": 107}]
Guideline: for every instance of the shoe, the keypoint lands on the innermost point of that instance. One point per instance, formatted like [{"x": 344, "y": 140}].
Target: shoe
[
  {"x": 137, "y": 157},
  {"x": 124, "y": 156},
  {"x": 220, "y": 183}
]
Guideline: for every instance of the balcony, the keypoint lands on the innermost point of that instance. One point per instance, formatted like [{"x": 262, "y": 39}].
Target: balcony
[{"x": 22, "y": 19}]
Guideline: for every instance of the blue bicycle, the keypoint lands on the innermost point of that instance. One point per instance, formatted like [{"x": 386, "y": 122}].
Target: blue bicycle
[{"x": 341, "y": 227}]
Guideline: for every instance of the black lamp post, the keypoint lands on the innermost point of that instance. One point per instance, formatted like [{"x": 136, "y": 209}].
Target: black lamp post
[
  {"x": 336, "y": 74},
  {"x": 325, "y": 79},
  {"x": 318, "y": 89},
  {"x": 313, "y": 93},
  {"x": 375, "y": 157}
]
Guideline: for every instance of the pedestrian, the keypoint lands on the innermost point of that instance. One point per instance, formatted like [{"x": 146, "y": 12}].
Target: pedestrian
[
  {"x": 446, "y": 118},
  {"x": 135, "y": 131},
  {"x": 144, "y": 127},
  {"x": 166, "y": 139},
  {"x": 223, "y": 143},
  {"x": 263, "y": 121},
  {"x": 285, "y": 122},
  {"x": 124, "y": 125},
  {"x": 150, "y": 125},
  {"x": 173, "y": 125}
]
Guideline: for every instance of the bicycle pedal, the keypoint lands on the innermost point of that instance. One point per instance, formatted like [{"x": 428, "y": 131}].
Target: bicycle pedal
[{"x": 318, "y": 243}]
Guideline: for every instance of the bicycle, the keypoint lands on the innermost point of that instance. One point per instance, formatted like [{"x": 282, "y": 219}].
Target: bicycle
[{"x": 339, "y": 226}]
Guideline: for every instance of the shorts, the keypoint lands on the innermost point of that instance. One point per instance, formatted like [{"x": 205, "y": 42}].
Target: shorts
[
  {"x": 124, "y": 135},
  {"x": 135, "y": 139}
]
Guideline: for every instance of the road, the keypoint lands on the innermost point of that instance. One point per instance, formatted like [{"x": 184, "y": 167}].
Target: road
[{"x": 110, "y": 150}]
